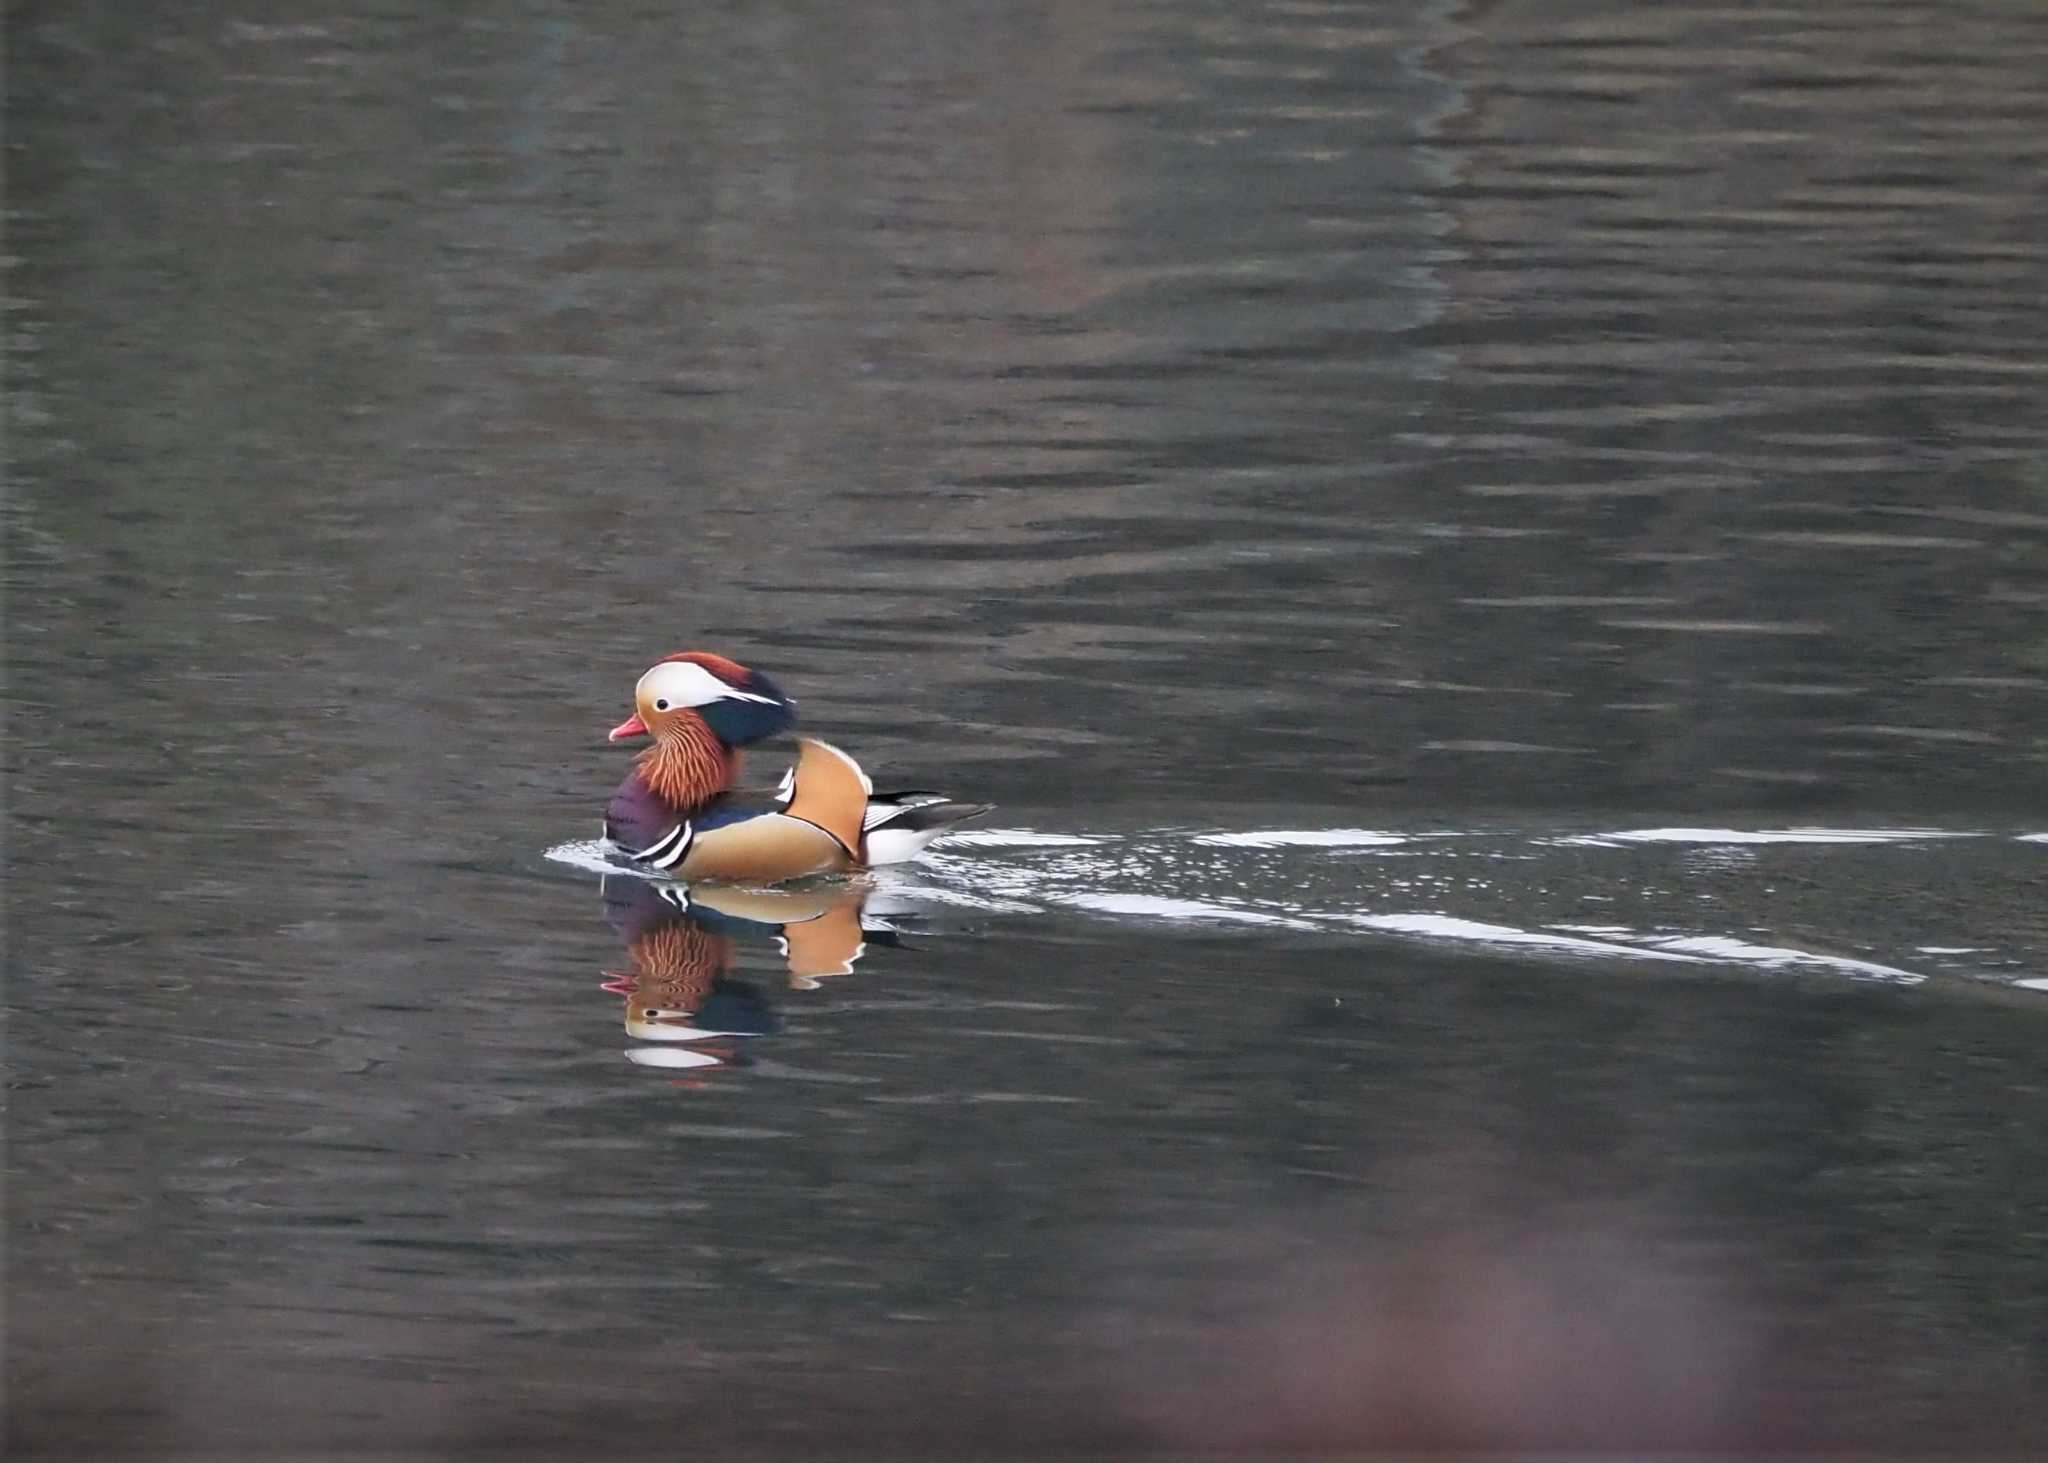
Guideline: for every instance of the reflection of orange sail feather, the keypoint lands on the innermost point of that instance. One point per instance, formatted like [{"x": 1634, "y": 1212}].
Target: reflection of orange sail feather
[
  {"x": 826, "y": 945},
  {"x": 821, "y": 929}
]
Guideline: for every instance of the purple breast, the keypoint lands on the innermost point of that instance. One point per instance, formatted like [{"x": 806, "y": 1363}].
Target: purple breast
[{"x": 637, "y": 818}]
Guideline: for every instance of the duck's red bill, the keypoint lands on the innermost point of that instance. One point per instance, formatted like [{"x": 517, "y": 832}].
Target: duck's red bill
[{"x": 632, "y": 726}]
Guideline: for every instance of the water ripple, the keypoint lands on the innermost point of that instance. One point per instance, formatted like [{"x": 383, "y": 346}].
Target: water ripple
[{"x": 1700, "y": 895}]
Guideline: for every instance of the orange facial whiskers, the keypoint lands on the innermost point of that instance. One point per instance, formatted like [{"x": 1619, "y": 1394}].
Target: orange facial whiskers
[{"x": 688, "y": 765}]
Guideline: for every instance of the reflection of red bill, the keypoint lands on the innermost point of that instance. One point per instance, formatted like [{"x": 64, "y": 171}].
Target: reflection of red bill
[{"x": 618, "y": 982}]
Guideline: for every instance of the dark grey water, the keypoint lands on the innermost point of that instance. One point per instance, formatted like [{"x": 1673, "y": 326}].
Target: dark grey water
[{"x": 1494, "y": 557}]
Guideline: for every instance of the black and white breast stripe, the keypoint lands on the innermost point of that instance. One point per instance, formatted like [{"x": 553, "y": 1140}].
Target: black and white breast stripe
[{"x": 668, "y": 850}]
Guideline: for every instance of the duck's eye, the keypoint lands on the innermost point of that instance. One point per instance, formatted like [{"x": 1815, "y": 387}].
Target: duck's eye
[{"x": 661, "y": 705}]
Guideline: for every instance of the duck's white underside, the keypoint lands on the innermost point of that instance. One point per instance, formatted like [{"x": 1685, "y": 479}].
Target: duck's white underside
[{"x": 898, "y": 845}]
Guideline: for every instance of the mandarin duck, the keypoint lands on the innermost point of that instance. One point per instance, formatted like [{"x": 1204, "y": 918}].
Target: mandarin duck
[{"x": 678, "y": 810}]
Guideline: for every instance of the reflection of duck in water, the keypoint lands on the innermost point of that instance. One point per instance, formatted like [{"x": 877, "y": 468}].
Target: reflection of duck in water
[
  {"x": 678, "y": 811},
  {"x": 683, "y": 942}
]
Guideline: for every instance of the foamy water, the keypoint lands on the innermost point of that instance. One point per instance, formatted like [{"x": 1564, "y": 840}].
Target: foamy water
[{"x": 1656, "y": 896}]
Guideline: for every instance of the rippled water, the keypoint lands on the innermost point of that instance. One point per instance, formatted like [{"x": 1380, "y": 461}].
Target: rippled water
[{"x": 1492, "y": 557}]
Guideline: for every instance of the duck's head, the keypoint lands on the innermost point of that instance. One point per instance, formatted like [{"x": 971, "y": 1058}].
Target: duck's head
[{"x": 695, "y": 688}]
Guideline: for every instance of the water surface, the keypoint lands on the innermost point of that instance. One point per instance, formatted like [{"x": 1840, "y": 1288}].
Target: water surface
[{"x": 1491, "y": 555}]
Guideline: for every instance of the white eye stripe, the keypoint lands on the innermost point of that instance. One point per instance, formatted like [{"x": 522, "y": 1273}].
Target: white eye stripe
[{"x": 685, "y": 683}]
